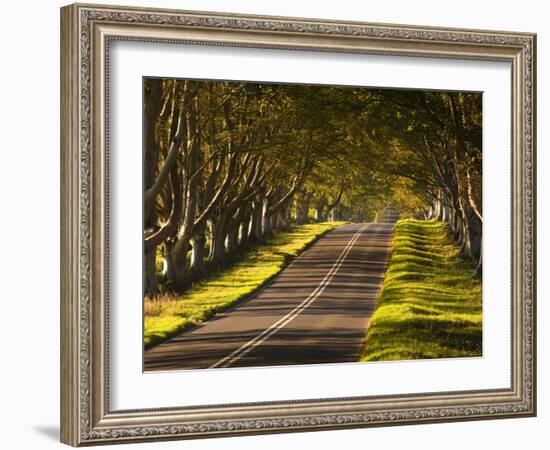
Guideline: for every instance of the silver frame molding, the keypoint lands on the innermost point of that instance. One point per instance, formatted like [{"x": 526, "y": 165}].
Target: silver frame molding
[{"x": 86, "y": 31}]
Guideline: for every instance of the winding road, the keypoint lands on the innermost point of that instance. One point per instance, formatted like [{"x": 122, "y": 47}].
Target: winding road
[{"x": 315, "y": 311}]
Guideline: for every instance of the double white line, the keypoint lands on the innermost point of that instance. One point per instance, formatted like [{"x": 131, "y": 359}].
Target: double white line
[{"x": 268, "y": 332}]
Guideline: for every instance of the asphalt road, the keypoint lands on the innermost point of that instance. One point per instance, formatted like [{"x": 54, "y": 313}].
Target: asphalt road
[{"x": 315, "y": 311}]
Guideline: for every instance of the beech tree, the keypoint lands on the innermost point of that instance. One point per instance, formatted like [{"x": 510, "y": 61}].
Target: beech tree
[
  {"x": 226, "y": 164},
  {"x": 436, "y": 143}
]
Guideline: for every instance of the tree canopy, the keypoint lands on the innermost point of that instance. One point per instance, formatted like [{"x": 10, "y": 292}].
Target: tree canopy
[{"x": 228, "y": 163}]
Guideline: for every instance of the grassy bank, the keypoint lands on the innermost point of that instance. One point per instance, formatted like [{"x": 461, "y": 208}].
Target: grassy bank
[
  {"x": 430, "y": 307},
  {"x": 169, "y": 314}
]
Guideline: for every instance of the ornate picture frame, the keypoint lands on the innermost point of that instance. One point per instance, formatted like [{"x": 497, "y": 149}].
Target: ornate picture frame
[{"x": 87, "y": 32}]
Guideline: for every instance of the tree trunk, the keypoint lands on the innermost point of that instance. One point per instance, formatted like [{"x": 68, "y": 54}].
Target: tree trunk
[
  {"x": 465, "y": 248},
  {"x": 219, "y": 234},
  {"x": 474, "y": 234},
  {"x": 302, "y": 208},
  {"x": 331, "y": 214},
  {"x": 255, "y": 233},
  {"x": 288, "y": 215},
  {"x": 232, "y": 239},
  {"x": 437, "y": 212},
  {"x": 456, "y": 225},
  {"x": 428, "y": 214},
  {"x": 168, "y": 266},
  {"x": 244, "y": 229},
  {"x": 198, "y": 252},
  {"x": 283, "y": 219},
  {"x": 178, "y": 271},
  {"x": 479, "y": 268},
  {"x": 459, "y": 234},
  {"x": 267, "y": 222},
  {"x": 445, "y": 217},
  {"x": 273, "y": 221},
  {"x": 319, "y": 213},
  {"x": 150, "y": 281},
  {"x": 334, "y": 214},
  {"x": 152, "y": 109}
]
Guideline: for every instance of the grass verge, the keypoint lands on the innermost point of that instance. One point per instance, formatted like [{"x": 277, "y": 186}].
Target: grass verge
[
  {"x": 430, "y": 306},
  {"x": 169, "y": 314}
]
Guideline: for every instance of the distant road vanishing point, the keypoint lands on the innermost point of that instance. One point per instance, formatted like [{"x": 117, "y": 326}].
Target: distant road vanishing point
[{"x": 315, "y": 311}]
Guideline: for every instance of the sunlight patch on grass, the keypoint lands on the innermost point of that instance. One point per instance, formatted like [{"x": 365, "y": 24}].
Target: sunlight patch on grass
[
  {"x": 430, "y": 306},
  {"x": 169, "y": 314}
]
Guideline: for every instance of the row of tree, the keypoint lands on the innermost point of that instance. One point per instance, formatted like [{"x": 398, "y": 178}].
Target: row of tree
[
  {"x": 226, "y": 164},
  {"x": 436, "y": 153}
]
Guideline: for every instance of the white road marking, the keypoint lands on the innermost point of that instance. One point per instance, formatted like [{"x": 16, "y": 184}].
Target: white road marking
[{"x": 245, "y": 348}]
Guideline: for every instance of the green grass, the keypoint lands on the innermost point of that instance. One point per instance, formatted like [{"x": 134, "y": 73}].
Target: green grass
[
  {"x": 430, "y": 306},
  {"x": 169, "y": 314}
]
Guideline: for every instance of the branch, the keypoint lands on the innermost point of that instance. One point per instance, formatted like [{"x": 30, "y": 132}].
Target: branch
[
  {"x": 175, "y": 146},
  {"x": 338, "y": 197},
  {"x": 170, "y": 226},
  {"x": 285, "y": 197}
]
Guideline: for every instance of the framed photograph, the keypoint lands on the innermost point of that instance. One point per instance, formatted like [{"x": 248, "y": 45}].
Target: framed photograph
[{"x": 275, "y": 224}]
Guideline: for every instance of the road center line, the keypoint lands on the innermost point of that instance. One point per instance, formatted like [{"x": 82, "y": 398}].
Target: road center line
[{"x": 245, "y": 348}]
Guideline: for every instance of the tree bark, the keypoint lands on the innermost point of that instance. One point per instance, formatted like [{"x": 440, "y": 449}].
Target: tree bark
[
  {"x": 232, "y": 240},
  {"x": 319, "y": 213},
  {"x": 219, "y": 234},
  {"x": 478, "y": 272},
  {"x": 151, "y": 284},
  {"x": 152, "y": 109},
  {"x": 255, "y": 233},
  {"x": 332, "y": 207},
  {"x": 180, "y": 271},
  {"x": 198, "y": 252},
  {"x": 267, "y": 223},
  {"x": 171, "y": 156},
  {"x": 302, "y": 207},
  {"x": 244, "y": 228},
  {"x": 168, "y": 269},
  {"x": 438, "y": 213},
  {"x": 283, "y": 218}
]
